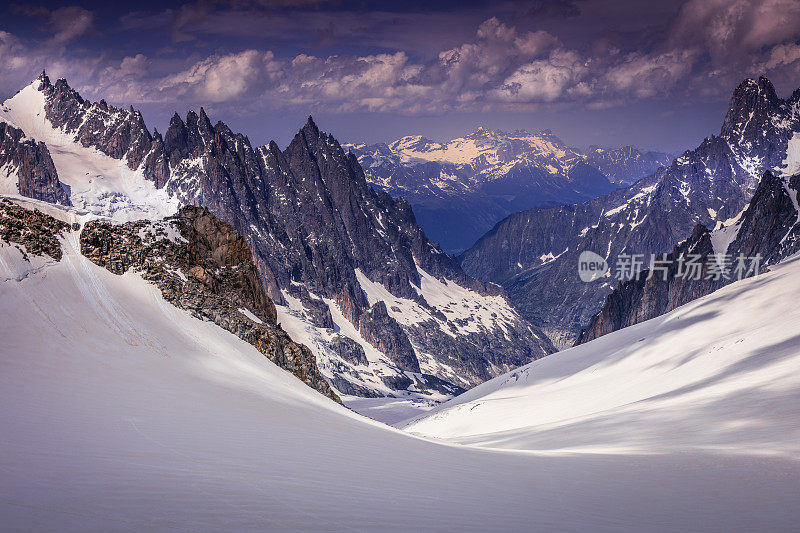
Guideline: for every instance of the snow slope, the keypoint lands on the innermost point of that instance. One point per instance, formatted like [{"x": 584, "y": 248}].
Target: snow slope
[
  {"x": 719, "y": 375},
  {"x": 123, "y": 413}
]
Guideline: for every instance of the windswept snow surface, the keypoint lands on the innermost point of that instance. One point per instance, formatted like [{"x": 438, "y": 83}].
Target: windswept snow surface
[
  {"x": 120, "y": 412},
  {"x": 720, "y": 375}
]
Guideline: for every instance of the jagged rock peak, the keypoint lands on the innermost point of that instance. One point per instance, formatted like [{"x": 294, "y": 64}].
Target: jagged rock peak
[
  {"x": 43, "y": 79},
  {"x": 203, "y": 115},
  {"x": 752, "y": 98},
  {"x": 311, "y": 126},
  {"x": 761, "y": 87}
]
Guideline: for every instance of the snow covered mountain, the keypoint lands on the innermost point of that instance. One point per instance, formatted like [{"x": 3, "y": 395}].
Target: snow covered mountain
[
  {"x": 460, "y": 188},
  {"x": 625, "y": 165},
  {"x": 769, "y": 230},
  {"x": 123, "y": 412},
  {"x": 534, "y": 254},
  {"x": 718, "y": 375},
  {"x": 353, "y": 277}
]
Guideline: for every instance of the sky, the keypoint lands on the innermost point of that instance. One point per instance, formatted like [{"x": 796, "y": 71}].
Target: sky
[{"x": 658, "y": 75}]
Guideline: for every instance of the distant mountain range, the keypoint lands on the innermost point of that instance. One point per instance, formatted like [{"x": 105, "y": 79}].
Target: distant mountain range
[
  {"x": 460, "y": 188},
  {"x": 534, "y": 254}
]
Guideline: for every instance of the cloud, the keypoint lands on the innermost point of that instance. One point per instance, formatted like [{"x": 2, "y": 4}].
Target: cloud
[
  {"x": 66, "y": 23},
  {"x": 221, "y": 78},
  {"x": 702, "y": 53},
  {"x": 189, "y": 14},
  {"x": 730, "y": 30},
  {"x": 737, "y": 38},
  {"x": 564, "y": 75},
  {"x": 553, "y": 9},
  {"x": 69, "y": 23},
  {"x": 647, "y": 75}
]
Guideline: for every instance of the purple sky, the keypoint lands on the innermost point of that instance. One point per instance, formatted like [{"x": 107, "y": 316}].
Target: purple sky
[{"x": 655, "y": 74}]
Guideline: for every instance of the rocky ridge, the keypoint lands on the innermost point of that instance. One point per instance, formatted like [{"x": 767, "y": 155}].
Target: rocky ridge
[
  {"x": 202, "y": 265},
  {"x": 533, "y": 254},
  {"x": 459, "y": 189},
  {"x": 314, "y": 225},
  {"x": 769, "y": 228}
]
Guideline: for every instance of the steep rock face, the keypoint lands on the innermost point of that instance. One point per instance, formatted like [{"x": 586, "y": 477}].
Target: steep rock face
[
  {"x": 385, "y": 334},
  {"x": 768, "y": 228},
  {"x": 313, "y": 221},
  {"x": 534, "y": 254},
  {"x": 29, "y": 164},
  {"x": 769, "y": 225},
  {"x": 202, "y": 265},
  {"x": 349, "y": 350}
]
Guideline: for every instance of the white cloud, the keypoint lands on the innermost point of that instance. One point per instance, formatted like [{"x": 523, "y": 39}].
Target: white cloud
[{"x": 499, "y": 68}]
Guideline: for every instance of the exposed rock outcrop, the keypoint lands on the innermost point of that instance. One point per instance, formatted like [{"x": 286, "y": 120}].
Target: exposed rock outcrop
[
  {"x": 349, "y": 350},
  {"x": 384, "y": 333},
  {"x": 36, "y": 231},
  {"x": 30, "y": 163},
  {"x": 202, "y": 265}
]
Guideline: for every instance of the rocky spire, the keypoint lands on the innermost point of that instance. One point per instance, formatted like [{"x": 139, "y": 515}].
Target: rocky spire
[
  {"x": 43, "y": 80},
  {"x": 310, "y": 127},
  {"x": 176, "y": 139},
  {"x": 750, "y": 103}
]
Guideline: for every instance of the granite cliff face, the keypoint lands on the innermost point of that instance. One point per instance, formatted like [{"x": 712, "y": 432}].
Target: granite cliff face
[
  {"x": 385, "y": 334},
  {"x": 202, "y": 265},
  {"x": 27, "y": 168},
  {"x": 768, "y": 228},
  {"x": 534, "y": 254},
  {"x": 327, "y": 246}
]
